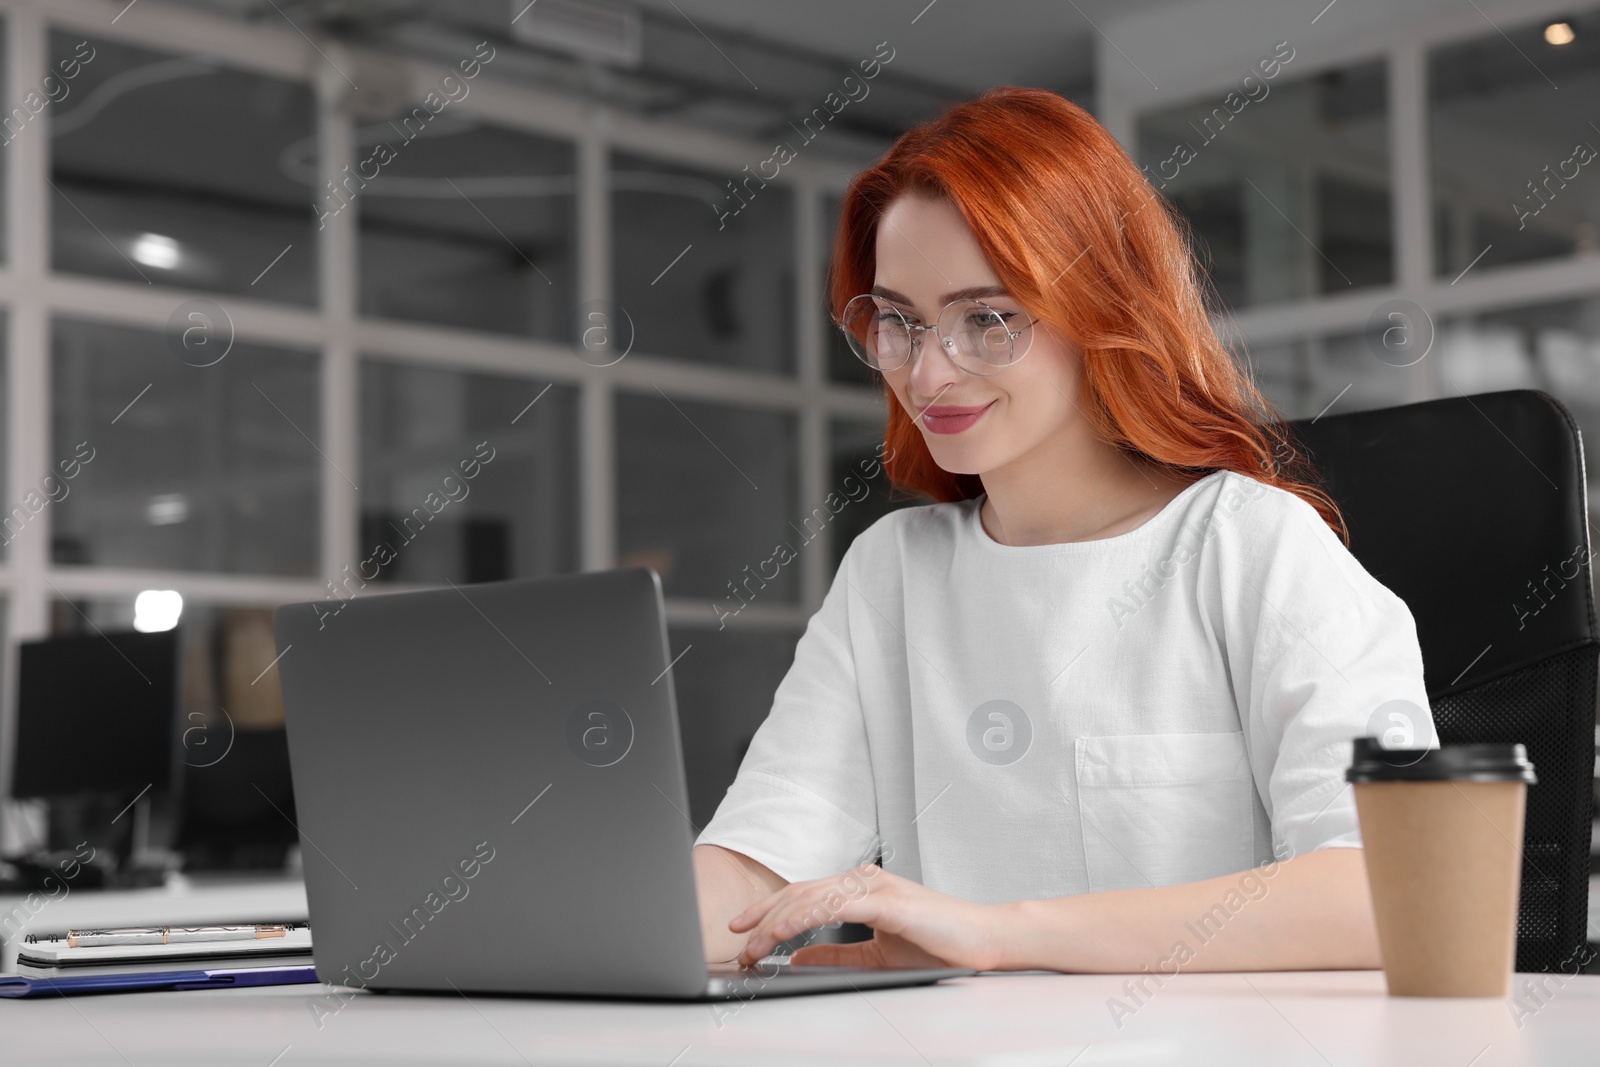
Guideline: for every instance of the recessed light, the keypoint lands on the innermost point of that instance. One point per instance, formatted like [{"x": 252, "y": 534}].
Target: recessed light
[
  {"x": 166, "y": 509},
  {"x": 156, "y": 250},
  {"x": 1560, "y": 33},
  {"x": 155, "y": 610}
]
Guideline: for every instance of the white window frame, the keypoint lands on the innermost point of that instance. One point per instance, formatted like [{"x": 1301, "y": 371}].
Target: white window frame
[
  {"x": 31, "y": 296},
  {"x": 1404, "y": 46}
]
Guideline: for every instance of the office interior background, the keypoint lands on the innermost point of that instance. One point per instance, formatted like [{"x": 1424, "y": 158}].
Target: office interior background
[{"x": 273, "y": 269}]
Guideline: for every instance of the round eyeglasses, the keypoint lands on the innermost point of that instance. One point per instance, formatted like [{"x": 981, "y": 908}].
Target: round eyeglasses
[{"x": 977, "y": 338}]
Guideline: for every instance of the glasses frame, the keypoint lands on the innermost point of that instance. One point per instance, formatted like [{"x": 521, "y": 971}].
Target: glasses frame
[{"x": 946, "y": 344}]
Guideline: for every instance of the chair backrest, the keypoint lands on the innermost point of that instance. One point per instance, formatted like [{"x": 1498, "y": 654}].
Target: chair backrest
[{"x": 1473, "y": 510}]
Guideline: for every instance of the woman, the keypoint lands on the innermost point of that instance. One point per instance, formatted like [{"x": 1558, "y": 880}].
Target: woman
[{"x": 1092, "y": 709}]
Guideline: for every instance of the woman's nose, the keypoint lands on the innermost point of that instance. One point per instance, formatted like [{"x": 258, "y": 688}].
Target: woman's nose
[{"x": 932, "y": 370}]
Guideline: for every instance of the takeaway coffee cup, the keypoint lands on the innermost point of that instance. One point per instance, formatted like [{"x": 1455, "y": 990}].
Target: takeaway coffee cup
[{"x": 1442, "y": 834}]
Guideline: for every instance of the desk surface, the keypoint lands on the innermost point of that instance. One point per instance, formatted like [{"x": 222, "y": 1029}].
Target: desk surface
[{"x": 1316, "y": 1018}]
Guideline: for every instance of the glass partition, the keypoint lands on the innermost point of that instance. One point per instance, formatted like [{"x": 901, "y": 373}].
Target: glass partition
[
  {"x": 704, "y": 263},
  {"x": 1284, "y": 179},
  {"x": 464, "y": 224},
  {"x": 191, "y": 468},
  {"x": 465, "y": 477},
  {"x": 705, "y": 495},
  {"x": 1514, "y": 144},
  {"x": 177, "y": 169}
]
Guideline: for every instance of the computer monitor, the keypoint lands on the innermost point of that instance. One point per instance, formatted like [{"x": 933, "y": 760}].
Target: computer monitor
[
  {"x": 95, "y": 715},
  {"x": 238, "y": 810}
]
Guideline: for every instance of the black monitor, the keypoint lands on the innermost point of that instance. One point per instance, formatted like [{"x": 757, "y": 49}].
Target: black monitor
[
  {"x": 238, "y": 809},
  {"x": 95, "y": 715}
]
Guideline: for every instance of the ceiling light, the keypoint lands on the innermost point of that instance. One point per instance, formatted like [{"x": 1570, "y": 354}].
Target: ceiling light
[
  {"x": 155, "y": 610},
  {"x": 1560, "y": 33},
  {"x": 166, "y": 509},
  {"x": 156, "y": 250}
]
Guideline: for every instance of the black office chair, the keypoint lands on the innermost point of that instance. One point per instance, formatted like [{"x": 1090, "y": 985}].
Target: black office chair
[{"x": 1473, "y": 510}]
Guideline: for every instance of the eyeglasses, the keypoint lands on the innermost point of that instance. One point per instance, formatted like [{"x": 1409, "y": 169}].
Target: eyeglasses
[{"x": 974, "y": 336}]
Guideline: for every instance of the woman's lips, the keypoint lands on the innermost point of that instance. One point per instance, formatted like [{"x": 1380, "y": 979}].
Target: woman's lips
[{"x": 949, "y": 418}]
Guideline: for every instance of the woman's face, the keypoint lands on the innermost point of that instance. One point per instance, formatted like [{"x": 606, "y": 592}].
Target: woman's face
[{"x": 926, "y": 253}]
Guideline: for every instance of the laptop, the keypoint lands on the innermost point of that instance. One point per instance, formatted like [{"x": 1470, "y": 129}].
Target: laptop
[{"x": 490, "y": 796}]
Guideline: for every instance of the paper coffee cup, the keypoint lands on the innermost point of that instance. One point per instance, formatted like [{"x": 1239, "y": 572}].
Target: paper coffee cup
[{"x": 1442, "y": 833}]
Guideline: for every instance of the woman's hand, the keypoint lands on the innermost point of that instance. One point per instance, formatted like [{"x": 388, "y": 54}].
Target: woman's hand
[{"x": 913, "y": 926}]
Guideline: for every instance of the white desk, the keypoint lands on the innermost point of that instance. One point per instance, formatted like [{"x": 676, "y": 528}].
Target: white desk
[
  {"x": 1315, "y": 1018},
  {"x": 188, "y": 901}
]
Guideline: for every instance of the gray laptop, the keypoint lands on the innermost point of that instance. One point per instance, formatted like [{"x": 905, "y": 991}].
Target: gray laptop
[{"x": 490, "y": 794}]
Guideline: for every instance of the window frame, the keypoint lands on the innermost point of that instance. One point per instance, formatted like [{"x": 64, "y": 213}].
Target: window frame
[{"x": 31, "y": 296}]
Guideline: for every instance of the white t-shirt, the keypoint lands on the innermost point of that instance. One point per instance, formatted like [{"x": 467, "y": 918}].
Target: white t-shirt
[{"x": 1022, "y": 722}]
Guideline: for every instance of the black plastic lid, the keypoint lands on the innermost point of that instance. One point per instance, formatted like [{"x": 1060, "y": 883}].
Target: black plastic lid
[{"x": 1463, "y": 763}]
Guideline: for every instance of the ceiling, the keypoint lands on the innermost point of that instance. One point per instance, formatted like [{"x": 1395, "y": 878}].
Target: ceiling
[
  {"x": 960, "y": 43},
  {"x": 747, "y": 67}
]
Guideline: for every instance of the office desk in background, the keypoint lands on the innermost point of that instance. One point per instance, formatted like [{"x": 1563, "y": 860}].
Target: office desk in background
[{"x": 1285, "y": 1019}]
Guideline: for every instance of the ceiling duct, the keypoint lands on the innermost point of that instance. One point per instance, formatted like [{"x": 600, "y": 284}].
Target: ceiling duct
[
  {"x": 603, "y": 33},
  {"x": 653, "y": 64}
]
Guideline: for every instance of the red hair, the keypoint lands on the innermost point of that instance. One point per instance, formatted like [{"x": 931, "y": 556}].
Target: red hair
[{"x": 1080, "y": 238}]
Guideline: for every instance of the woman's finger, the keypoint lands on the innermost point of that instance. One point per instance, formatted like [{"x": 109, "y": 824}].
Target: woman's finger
[
  {"x": 806, "y": 906},
  {"x": 852, "y": 884},
  {"x": 782, "y": 922},
  {"x": 779, "y": 925}
]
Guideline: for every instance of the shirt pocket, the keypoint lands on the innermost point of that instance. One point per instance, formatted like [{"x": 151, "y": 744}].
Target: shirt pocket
[{"x": 1162, "y": 809}]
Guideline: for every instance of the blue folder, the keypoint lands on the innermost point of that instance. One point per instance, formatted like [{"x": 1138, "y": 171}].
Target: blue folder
[{"x": 17, "y": 985}]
